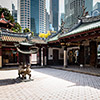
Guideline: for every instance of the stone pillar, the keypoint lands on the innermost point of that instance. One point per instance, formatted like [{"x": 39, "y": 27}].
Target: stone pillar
[
  {"x": 42, "y": 60},
  {"x": 45, "y": 56},
  {"x": 93, "y": 53},
  {"x": 81, "y": 56},
  {"x": 65, "y": 57},
  {"x": 0, "y": 55}
]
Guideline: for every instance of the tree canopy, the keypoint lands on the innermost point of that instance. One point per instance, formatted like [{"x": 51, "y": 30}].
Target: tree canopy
[
  {"x": 43, "y": 35},
  {"x": 17, "y": 28},
  {"x": 26, "y": 30}
]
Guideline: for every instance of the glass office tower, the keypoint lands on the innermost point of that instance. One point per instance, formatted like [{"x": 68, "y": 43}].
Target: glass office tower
[
  {"x": 73, "y": 9},
  {"x": 38, "y": 16},
  {"x": 54, "y": 13},
  {"x": 35, "y": 16}
]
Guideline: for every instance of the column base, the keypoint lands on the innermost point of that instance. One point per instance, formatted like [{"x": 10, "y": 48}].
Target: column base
[
  {"x": 65, "y": 66},
  {"x": 0, "y": 61}
]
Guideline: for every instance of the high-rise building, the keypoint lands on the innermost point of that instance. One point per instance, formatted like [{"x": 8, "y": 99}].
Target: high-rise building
[
  {"x": 38, "y": 16},
  {"x": 62, "y": 16},
  {"x": 89, "y": 6},
  {"x": 14, "y": 12},
  {"x": 35, "y": 16},
  {"x": 47, "y": 21},
  {"x": 96, "y": 9},
  {"x": 54, "y": 13},
  {"x": 73, "y": 9},
  {"x": 24, "y": 13},
  {"x": 96, "y": 6},
  {"x": 42, "y": 16}
]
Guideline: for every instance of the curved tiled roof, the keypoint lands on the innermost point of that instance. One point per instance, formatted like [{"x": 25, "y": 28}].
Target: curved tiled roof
[
  {"x": 86, "y": 25},
  {"x": 19, "y": 37},
  {"x": 38, "y": 41},
  {"x": 12, "y": 39},
  {"x": 82, "y": 28},
  {"x": 55, "y": 38}
]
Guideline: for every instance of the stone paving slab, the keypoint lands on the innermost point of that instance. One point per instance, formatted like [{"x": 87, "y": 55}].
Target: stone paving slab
[
  {"x": 84, "y": 70},
  {"x": 49, "y": 84}
]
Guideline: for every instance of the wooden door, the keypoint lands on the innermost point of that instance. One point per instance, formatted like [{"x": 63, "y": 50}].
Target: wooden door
[{"x": 55, "y": 57}]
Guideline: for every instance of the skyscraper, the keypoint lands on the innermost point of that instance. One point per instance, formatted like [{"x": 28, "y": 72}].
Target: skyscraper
[
  {"x": 24, "y": 13},
  {"x": 62, "y": 16},
  {"x": 38, "y": 16},
  {"x": 14, "y": 12},
  {"x": 96, "y": 9},
  {"x": 42, "y": 16},
  {"x": 35, "y": 16},
  {"x": 73, "y": 9},
  {"x": 54, "y": 13},
  {"x": 47, "y": 21}
]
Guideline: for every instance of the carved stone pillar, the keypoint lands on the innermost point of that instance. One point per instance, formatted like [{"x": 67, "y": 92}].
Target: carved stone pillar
[
  {"x": 45, "y": 56},
  {"x": 65, "y": 57},
  {"x": 42, "y": 57}
]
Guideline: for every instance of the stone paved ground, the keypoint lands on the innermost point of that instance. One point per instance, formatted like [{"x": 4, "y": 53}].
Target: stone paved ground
[
  {"x": 85, "y": 69},
  {"x": 49, "y": 84}
]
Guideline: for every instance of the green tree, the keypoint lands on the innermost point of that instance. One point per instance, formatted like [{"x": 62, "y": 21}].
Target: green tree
[
  {"x": 32, "y": 34},
  {"x": 26, "y": 30},
  {"x": 17, "y": 28},
  {"x": 7, "y": 14}
]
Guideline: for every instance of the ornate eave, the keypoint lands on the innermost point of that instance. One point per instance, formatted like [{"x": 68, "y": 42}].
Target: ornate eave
[
  {"x": 90, "y": 19},
  {"x": 26, "y": 52}
]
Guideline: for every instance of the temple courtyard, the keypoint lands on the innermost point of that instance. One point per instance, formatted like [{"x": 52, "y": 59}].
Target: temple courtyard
[{"x": 49, "y": 84}]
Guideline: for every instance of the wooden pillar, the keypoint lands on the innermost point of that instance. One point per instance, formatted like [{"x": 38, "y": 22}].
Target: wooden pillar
[
  {"x": 40, "y": 56},
  {"x": 93, "y": 53},
  {"x": 0, "y": 54},
  {"x": 46, "y": 56},
  {"x": 65, "y": 57},
  {"x": 81, "y": 55},
  {"x": 18, "y": 58}
]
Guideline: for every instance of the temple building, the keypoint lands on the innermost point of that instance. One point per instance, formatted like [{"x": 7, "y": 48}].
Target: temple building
[
  {"x": 78, "y": 45},
  {"x": 10, "y": 55}
]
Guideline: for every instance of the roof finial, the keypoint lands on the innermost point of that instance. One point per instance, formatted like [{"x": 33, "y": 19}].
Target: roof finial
[
  {"x": 2, "y": 15},
  {"x": 84, "y": 13}
]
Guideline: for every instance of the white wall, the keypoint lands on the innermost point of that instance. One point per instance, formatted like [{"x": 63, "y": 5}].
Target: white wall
[
  {"x": 61, "y": 52},
  {"x": 33, "y": 59},
  {"x": 50, "y": 53}
]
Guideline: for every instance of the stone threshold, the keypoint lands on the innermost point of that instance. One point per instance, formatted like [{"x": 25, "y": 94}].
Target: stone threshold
[{"x": 16, "y": 68}]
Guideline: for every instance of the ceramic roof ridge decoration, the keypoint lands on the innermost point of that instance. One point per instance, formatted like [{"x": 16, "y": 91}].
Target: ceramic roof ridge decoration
[{"x": 2, "y": 15}]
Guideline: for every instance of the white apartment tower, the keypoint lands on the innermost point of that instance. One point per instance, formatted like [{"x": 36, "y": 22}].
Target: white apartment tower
[
  {"x": 24, "y": 13},
  {"x": 42, "y": 16}
]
